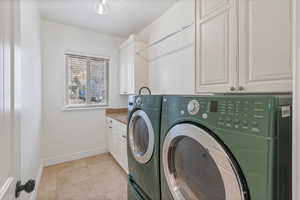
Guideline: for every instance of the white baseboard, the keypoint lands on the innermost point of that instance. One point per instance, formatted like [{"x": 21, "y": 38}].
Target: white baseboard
[
  {"x": 38, "y": 178},
  {"x": 73, "y": 156}
]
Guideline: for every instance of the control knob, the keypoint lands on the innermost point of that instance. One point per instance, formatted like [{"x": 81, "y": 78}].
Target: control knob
[
  {"x": 138, "y": 101},
  {"x": 193, "y": 107}
]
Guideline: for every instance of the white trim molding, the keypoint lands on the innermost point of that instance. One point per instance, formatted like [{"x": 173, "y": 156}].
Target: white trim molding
[
  {"x": 33, "y": 195},
  {"x": 73, "y": 156},
  {"x": 296, "y": 100},
  {"x": 6, "y": 187}
]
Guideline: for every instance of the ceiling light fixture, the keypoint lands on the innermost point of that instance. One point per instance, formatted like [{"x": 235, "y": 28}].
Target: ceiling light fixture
[{"x": 102, "y": 7}]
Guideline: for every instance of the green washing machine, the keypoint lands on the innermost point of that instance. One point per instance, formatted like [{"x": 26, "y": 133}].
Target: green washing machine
[
  {"x": 143, "y": 147},
  {"x": 230, "y": 147}
]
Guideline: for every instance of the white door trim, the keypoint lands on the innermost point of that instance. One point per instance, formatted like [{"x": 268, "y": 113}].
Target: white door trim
[
  {"x": 296, "y": 100},
  {"x": 5, "y": 188},
  {"x": 11, "y": 62}
]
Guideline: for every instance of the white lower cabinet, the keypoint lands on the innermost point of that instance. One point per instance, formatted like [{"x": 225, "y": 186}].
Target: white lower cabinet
[
  {"x": 117, "y": 142},
  {"x": 109, "y": 139},
  {"x": 123, "y": 145}
]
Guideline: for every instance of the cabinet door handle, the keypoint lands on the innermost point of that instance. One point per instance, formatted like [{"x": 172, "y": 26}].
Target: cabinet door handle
[
  {"x": 232, "y": 89},
  {"x": 241, "y": 88}
]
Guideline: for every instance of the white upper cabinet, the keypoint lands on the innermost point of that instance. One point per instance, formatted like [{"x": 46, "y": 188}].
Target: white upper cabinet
[
  {"x": 265, "y": 45},
  {"x": 243, "y": 46},
  {"x": 123, "y": 71},
  {"x": 216, "y": 45},
  {"x": 133, "y": 67}
]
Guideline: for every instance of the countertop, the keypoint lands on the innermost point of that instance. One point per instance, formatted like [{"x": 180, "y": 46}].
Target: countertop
[{"x": 119, "y": 114}]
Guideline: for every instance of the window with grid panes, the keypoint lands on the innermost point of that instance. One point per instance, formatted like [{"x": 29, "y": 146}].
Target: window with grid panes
[{"x": 87, "y": 81}]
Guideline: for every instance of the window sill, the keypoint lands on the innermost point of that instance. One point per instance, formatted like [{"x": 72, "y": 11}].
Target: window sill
[{"x": 83, "y": 108}]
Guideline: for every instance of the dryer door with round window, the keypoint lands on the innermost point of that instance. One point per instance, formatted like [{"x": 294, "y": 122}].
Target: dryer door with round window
[
  {"x": 141, "y": 136},
  {"x": 197, "y": 167}
]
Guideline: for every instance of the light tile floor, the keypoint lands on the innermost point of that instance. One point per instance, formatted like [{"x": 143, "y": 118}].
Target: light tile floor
[{"x": 94, "y": 178}]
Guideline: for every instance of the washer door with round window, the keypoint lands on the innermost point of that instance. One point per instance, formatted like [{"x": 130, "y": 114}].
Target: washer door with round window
[
  {"x": 141, "y": 137},
  {"x": 197, "y": 167}
]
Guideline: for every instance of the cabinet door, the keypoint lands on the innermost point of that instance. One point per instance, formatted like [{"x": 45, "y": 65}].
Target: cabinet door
[
  {"x": 141, "y": 70},
  {"x": 124, "y": 148},
  {"x": 124, "y": 155},
  {"x": 123, "y": 71},
  {"x": 116, "y": 140},
  {"x": 109, "y": 134},
  {"x": 119, "y": 144},
  {"x": 131, "y": 68},
  {"x": 216, "y": 45},
  {"x": 265, "y": 45},
  {"x": 113, "y": 138}
]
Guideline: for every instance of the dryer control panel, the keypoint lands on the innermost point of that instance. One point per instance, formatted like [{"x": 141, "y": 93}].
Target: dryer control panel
[{"x": 243, "y": 114}]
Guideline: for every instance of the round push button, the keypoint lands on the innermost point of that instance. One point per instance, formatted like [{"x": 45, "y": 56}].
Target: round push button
[{"x": 204, "y": 115}]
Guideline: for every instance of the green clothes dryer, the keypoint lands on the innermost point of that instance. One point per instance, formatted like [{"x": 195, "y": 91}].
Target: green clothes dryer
[
  {"x": 230, "y": 147},
  {"x": 143, "y": 146}
]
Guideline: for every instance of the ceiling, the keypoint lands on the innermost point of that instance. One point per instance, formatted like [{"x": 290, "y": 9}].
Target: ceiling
[{"x": 125, "y": 16}]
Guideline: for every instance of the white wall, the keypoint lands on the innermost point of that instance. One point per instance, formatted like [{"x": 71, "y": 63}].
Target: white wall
[
  {"x": 172, "y": 62},
  {"x": 73, "y": 134},
  {"x": 30, "y": 91}
]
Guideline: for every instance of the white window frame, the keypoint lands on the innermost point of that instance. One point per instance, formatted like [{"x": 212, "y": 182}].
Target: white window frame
[{"x": 70, "y": 107}]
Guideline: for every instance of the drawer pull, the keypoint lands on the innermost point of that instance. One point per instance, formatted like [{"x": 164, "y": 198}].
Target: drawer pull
[{"x": 232, "y": 89}]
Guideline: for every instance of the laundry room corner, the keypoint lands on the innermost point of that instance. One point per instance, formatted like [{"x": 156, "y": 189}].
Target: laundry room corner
[{"x": 150, "y": 100}]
